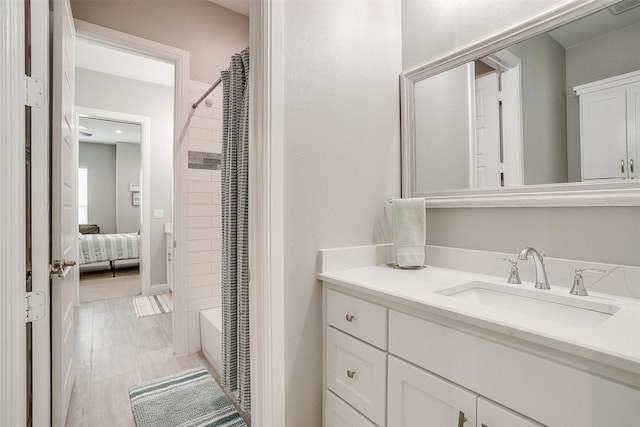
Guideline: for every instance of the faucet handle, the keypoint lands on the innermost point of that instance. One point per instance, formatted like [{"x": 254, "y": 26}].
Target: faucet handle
[
  {"x": 514, "y": 277},
  {"x": 578, "y": 283}
]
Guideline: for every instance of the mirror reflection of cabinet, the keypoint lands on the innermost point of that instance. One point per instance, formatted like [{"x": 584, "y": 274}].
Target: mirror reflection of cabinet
[{"x": 610, "y": 127}]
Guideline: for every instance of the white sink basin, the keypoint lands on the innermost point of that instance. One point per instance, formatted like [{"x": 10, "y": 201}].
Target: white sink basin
[{"x": 578, "y": 312}]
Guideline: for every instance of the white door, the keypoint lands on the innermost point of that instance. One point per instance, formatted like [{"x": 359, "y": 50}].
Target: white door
[
  {"x": 418, "y": 398},
  {"x": 64, "y": 232},
  {"x": 487, "y": 143}
]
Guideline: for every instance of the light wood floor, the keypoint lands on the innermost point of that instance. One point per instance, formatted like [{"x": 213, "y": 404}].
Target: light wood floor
[
  {"x": 115, "y": 350},
  {"x": 100, "y": 285}
]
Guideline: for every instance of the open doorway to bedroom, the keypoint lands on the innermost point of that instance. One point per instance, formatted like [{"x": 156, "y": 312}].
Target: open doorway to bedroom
[
  {"x": 125, "y": 126},
  {"x": 109, "y": 207}
]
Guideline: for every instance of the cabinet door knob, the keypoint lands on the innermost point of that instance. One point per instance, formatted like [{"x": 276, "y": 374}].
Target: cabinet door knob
[
  {"x": 461, "y": 419},
  {"x": 349, "y": 317},
  {"x": 351, "y": 374}
]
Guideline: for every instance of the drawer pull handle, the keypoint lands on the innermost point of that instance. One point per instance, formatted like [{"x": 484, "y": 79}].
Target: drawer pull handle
[
  {"x": 351, "y": 374},
  {"x": 484, "y": 425},
  {"x": 349, "y": 317},
  {"x": 461, "y": 419}
]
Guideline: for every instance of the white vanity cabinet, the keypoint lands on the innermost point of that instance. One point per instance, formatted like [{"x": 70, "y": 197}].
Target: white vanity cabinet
[
  {"x": 391, "y": 363},
  {"x": 610, "y": 127}
]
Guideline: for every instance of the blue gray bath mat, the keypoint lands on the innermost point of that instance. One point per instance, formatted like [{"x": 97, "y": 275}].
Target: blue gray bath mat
[{"x": 188, "y": 399}]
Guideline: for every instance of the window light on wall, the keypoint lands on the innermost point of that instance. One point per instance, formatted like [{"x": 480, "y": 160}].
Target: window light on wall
[{"x": 83, "y": 199}]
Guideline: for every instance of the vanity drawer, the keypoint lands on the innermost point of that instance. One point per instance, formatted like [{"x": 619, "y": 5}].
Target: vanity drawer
[
  {"x": 357, "y": 317},
  {"x": 339, "y": 414},
  {"x": 357, "y": 372}
]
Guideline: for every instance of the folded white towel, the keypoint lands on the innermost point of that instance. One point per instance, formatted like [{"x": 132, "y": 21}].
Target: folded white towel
[{"x": 409, "y": 219}]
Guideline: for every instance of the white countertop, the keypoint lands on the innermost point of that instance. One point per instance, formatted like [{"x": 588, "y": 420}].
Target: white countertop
[{"x": 616, "y": 342}]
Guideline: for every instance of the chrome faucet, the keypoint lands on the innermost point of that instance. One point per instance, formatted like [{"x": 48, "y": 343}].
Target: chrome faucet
[{"x": 541, "y": 275}]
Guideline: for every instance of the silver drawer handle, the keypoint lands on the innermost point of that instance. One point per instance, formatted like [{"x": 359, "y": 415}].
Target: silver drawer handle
[
  {"x": 622, "y": 166},
  {"x": 351, "y": 374},
  {"x": 349, "y": 317},
  {"x": 631, "y": 165}
]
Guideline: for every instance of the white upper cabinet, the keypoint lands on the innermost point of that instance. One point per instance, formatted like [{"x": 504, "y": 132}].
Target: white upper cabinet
[{"x": 609, "y": 127}]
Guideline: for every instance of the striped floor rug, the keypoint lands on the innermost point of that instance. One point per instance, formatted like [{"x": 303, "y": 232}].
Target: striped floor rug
[
  {"x": 187, "y": 399},
  {"x": 155, "y": 304}
]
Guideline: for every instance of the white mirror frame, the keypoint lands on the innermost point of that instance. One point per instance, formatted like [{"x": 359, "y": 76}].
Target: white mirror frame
[{"x": 619, "y": 193}]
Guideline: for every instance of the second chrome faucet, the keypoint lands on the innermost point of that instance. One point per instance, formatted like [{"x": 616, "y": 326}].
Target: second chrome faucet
[{"x": 541, "y": 275}]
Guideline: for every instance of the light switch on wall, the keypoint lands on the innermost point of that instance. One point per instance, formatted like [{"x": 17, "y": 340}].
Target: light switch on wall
[{"x": 158, "y": 214}]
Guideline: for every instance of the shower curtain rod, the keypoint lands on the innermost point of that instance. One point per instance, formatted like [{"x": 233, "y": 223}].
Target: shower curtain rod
[{"x": 213, "y": 86}]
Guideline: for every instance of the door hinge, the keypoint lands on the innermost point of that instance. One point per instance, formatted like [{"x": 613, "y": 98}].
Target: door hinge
[
  {"x": 33, "y": 92},
  {"x": 34, "y": 306}
]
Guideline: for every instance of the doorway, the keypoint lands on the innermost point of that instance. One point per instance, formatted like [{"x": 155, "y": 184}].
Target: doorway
[{"x": 110, "y": 208}]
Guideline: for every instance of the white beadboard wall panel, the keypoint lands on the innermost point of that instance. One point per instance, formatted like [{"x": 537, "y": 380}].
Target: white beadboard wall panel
[
  {"x": 202, "y": 280},
  {"x": 200, "y": 268},
  {"x": 200, "y": 292},
  {"x": 206, "y": 146},
  {"x": 200, "y": 187},
  {"x": 199, "y": 175},
  {"x": 199, "y": 245},
  {"x": 204, "y": 221},
  {"x": 203, "y": 256},
  {"x": 205, "y": 210},
  {"x": 204, "y": 303},
  {"x": 199, "y": 198},
  {"x": 203, "y": 134},
  {"x": 199, "y": 222},
  {"x": 204, "y": 233}
]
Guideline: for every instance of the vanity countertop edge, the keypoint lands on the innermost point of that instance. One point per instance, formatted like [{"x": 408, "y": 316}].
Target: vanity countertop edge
[{"x": 615, "y": 343}]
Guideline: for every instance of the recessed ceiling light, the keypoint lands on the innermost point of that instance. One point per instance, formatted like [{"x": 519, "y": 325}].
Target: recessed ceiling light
[{"x": 118, "y": 131}]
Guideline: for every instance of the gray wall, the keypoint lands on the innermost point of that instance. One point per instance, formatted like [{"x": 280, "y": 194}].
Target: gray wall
[
  {"x": 442, "y": 131},
  {"x": 209, "y": 32},
  {"x": 113, "y": 93},
  {"x": 575, "y": 233},
  {"x": 342, "y": 160},
  {"x": 599, "y": 58},
  {"x": 543, "y": 110},
  {"x": 100, "y": 159},
  {"x": 128, "y": 172}
]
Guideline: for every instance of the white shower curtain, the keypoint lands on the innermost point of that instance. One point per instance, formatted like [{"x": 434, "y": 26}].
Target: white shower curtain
[{"x": 235, "y": 229}]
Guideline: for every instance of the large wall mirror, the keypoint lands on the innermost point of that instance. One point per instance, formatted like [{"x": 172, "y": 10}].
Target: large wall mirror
[{"x": 552, "y": 107}]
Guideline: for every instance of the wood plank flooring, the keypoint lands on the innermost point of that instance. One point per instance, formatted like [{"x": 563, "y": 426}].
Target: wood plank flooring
[{"x": 115, "y": 350}]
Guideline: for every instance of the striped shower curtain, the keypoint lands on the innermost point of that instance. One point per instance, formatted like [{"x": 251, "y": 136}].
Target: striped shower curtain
[{"x": 235, "y": 229}]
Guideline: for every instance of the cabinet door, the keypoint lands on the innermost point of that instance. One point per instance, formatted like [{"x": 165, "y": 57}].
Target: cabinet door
[
  {"x": 356, "y": 373},
  {"x": 603, "y": 134},
  {"x": 633, "y": 130},
  {"x": 339, "y": 414},
  {"x": 492, "y": 415},
  {"x": 418, "y": 398}
]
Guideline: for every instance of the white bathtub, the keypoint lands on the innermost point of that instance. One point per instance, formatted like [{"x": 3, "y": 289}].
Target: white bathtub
[{"x": 211, "y": 336}]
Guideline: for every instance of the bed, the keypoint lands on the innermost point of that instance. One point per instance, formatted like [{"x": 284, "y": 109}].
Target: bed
[{"x": 109, "y": 247}]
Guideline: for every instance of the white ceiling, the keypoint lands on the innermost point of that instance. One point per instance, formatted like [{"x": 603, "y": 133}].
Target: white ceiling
[
  {"x": 104, "y": 131},
  {"x": 239, "y": 6},
  {"x": 106, "y": 59},
  {"x": 593, "y": 25}
]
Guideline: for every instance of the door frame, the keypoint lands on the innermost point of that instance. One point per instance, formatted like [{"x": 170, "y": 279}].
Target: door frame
[
  {"x": 266, "y": 213},
  {"x": 180, "y": 58},
  {"x": 145, "y": 203},
  {"x": 12, "y": 216},
  {"x": 509, "y": 67}
]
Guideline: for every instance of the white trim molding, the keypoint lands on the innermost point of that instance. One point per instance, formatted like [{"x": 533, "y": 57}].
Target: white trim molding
[
  {"x": 619, "y": 193},
  {"x": 266, "y": 214},
  {"x": 12, "y": 216},
  {"x": 180, "y": 58}
]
